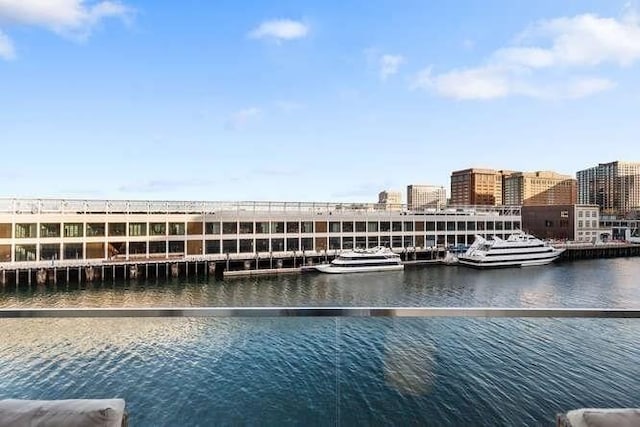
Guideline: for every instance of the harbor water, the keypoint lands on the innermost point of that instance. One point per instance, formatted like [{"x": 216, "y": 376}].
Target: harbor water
[{"x": 337, "y": 371}]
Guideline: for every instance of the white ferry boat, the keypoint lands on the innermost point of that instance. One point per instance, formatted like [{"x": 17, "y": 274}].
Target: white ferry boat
[
  {"x": 519, "y": 250},
  {"x": 363, "y": 260}
]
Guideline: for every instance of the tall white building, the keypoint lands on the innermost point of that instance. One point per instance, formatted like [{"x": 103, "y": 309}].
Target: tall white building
[
  {"x": 615, "y": 187},
  {"x": 390, "y": 200},
  {"x": 426, "y": 196}
]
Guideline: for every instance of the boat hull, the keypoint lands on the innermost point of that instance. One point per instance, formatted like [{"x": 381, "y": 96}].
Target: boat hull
[
  {"x": 482, "y": 264},
  {"x": 333, "y": 269}
]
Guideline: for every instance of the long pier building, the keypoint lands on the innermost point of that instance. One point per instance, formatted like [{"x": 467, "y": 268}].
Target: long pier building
[{"x": 44, "y": 232}]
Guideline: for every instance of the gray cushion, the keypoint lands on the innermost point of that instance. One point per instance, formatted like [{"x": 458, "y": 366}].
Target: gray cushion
[
  {"x": 614, "y": 417},
  {"x": 68, "y": 413}
]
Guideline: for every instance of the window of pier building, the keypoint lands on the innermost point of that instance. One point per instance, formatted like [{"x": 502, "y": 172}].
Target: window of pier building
[
  {"x": 372, "y": 226},
  {"x": 246, "y": 228},
  {"x": 321, "y": 226},
  {"x": 115, "y": 249},
  {"x": 489, "y": 225},
  {"x": 293, "y": 244},
  {"x": 5, "y": 231},
  {"x": 361, "y": 242},
  {"x": 307, "y": 226},
  {"x": 347, "y": 242},
  {"x": 293, "y": 227},
  {"x": 137, "y": 229},
  {"x": 176, "y": 229},
  {"x": 95, "y": 250},
  {"x": 262, "y": 227},
  {"x": 117, "y": 229},
  {"x": 212, "y": 228},
  {"x": 419, "y": 225},
  {"x": 347, "y": 226},
  {"x": 451, "y": 226},
  {"x": 408, "y": 241},
  {"x": 420, "y": 241},
  {"x": 5, "y": 253},
  {"x": 508, "y": 225},
  {"x": 138, "y": 248},
  {"x": 408, "y": 226},
  {"x": 499, "y": 225},
  {"x": 194, "y": 247},
  {"x": 396, "y": 241},
  {"x": 194, "y": 228},
  {"x": 277, "y": 227},
  {"x": 334, "y": 227},
  {"x": 440, "y": 225},
  {"x": 96, "y": 229},
  {"x": 176, "y": 246},
  {"x": 158, "y": 229},
  {"x": 430, "y": 226},
  {"x": 372, "y": 241},
  {"x": 230, "y": 246},
  {"x": 461, "y": 225},
  {"x": 334, "y": 243},
  {"x": 49, "y": 251},
  {"x": 385, "y": 226},
  {"x": 50, "y": 230},
  {"x": 212, "y": 247},
  {"x": 229, "y": 228},
  {"x": 74, "y": 229},
  {"x": 277, "y": 245},
  {"x": 361, "y": 226},
  {"x": 25, "y": 252},
  {"x": 246, "y": 246},
  {"x": 385, "y": 241},
  {"x": 26, "y": 231},
  {"x": 73, "y": 251},
  {"x": 396, "y": 226},
  {"x": 440, "y": 241},
  {"x": 306, "y": 243},
  {"x": 262, "y": 245},
  {"x": 157, "y": 247},
  {"x": 460, "y": 240},
  {"x": 321, "y": 244},
  {"x": 451, "y": 240}
]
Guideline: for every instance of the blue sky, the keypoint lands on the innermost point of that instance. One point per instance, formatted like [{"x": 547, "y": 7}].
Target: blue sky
[{"x": 309, "y": 101}]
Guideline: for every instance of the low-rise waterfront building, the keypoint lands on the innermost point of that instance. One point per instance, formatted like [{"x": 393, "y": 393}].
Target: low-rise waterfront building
[
  {"x": 79, "y": 231},
  {"x": 580, "y": 223}
]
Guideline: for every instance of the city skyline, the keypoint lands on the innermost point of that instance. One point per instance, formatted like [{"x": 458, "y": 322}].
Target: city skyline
[{"x": 137, "y": 100}]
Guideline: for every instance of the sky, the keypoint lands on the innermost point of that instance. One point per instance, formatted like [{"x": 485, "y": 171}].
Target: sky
[{"x": 308, "y": 100}]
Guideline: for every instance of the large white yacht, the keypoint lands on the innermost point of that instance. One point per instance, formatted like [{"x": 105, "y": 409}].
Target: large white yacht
[
  {"x": 363, "y": 260},
  {"x": 519, "y": 250}
]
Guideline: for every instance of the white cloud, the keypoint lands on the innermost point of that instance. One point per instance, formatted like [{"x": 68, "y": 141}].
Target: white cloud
[
  {"x": 70, "y": 18},
  {"x": 562, "y": 44},
  {"x": 280, "y": 29},
  {"x": 242, "y": 118},
  {"x": 6, "y": 47},
  {"x": 389, "y": 65}
]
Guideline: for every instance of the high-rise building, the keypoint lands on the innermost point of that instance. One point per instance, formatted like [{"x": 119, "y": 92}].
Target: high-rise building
[
  {"x": 426, "y": 196},
  {"x": 477, "y": 187},
  {"x": 615, "y": 187},
  {"x": 390, "y": 200},
  {"x": 539, "y": 189}
]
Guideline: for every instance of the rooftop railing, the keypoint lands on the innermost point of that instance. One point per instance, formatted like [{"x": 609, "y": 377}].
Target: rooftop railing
[{"x": 71, "y": 206}]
